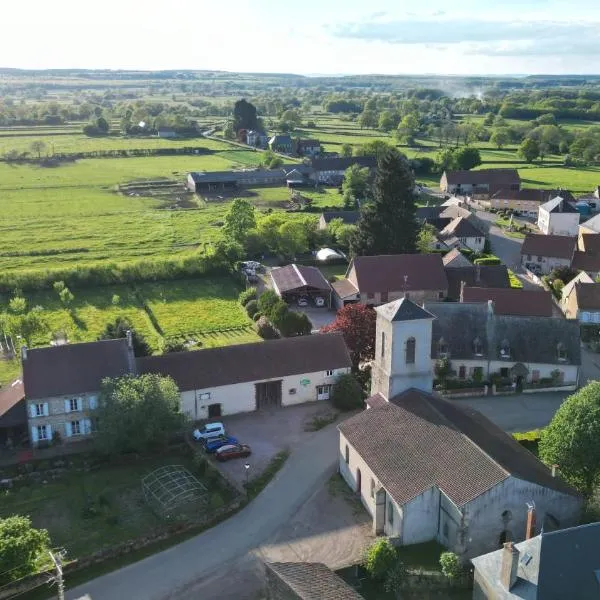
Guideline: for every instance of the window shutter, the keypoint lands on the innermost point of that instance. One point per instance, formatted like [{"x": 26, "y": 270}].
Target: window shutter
[
  {"x": 34, "y": 434},
  {"x": 68, "y": 429},
  {"x": 46, "y": 412},
  {"x": 32, "y": 411},
  {"x": 93, "y": 402},
  {"x": 49, "y": 432},
  {"x": 67, "y": 406}
]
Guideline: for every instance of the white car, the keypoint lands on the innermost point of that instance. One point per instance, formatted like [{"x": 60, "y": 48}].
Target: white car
[
  {"x": 319, "y": 301},
  {"x": 208, "y": 431},
  {"x": 303, "y": 301}
]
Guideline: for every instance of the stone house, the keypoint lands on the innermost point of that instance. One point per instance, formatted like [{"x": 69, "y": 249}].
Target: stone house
[
  {"x": 558, "y": 217},
  {"x": 309, "y": 148},
  {"x": 527, "y": 201},
  {"x": 247, "y": 377},
  {"x": 480, "y": 182},
  {"x": 550, "y": 566},
  {"x": 463, "y": 233},
  {"x": 581, "y": 300},
  {"x": 428, "y": 469},
  {"x": 375, "y": 280},
  {"x": 543, "y": 253},
  {"x": 62, "y": 384},
  {"x": 281, "y": 143}
]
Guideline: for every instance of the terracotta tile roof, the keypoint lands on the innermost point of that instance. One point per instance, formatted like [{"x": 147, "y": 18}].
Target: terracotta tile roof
[
  {"x": 10, "y": 395},
  {"x": 73, "y": 368},
  {"x": 555, "y": 246},
  {"x": 588, "y": 296},
  {"x": 313, "y": 581},
  {"x": 214, "y": 367},
  {"x": 418, "y": 441},
  {"x": 344, "y": 288},
  {"x": 483, "y": 176},
  {"x": 386, "y": 273},
  {"x": 297, "y": 277},
  {"x": 509, "y": 301}
]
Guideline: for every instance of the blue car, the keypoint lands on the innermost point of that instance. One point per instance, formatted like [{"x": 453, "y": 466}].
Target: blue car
[{"x": 211, "y": 445}]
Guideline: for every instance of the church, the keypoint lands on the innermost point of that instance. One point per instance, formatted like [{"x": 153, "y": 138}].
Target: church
[{"x": 426, "y": 468}]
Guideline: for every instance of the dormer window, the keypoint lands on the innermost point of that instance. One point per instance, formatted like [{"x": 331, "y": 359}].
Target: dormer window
[
  {"x": 442, "y": 348},
  {"x": 477, "y": 347},
  {"x": 561, "y": 352},
  {"x": 504, "y": 349}
]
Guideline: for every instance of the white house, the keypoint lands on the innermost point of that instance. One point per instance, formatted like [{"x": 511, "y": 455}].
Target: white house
[
  {"x": 558, "y": 217},
  {"x": 542, "y": 253},
  {"x": 428, "y": 469}
]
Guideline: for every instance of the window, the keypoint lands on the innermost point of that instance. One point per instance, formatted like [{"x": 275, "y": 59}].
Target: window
[
  {"x": 390, "y": 511},
  {"x": 75, "y": 427},
  {"x": 504, "y": 349},
  {"x": 586, "y": 316},
  {"x": 323, "y": 392},
  {"x": 39, "y": 410},
  {"x": 561, "y": 352},
  {"x": 441, "y": 295},
  {"x": 442, "y": 347},
  {"x": 93, "y": 424},
  {"x": 539, "y": 259},
  {"x": 73, "y": 404},
  {"x": 504, "y": 372},
  {"x": 370, "y": 296},
  {"x": 477, "y": 347},
  {"x": 329, "y": 373},
  {"x": 535, "y": 375},
  {"x": 205, "y": 396},
  {"x": 42, "y": 432},
  {"x": 347, "y": 455},
  {"x": 478, "y": 373},
  {"x": 411, "y": 346},
  {"x": 372, "y": 488},
  {"x": 462, "y": 372},
  {"x": 382, "y": 344}
]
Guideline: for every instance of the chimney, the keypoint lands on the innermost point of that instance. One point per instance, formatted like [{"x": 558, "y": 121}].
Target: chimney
[
  {"x": 490, "y": 308},
  {"x": 509, "y": 566},
  {"x": 23, "y": 353},
  {"x": 530, "y": 529},
  {"x": 477, "y": 273}
]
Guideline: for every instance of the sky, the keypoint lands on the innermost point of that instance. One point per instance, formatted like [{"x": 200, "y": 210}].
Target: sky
[{"x": 307, "y": 37}]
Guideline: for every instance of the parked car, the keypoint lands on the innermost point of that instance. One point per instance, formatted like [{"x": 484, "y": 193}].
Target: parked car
[
  {"x": 213, "y": 444},
  {"x": 233, "y": 451},
  {"x": 319, "y": 301},
  {"x": 209, "y": 430},
  {"x": 303, "y": 301}
]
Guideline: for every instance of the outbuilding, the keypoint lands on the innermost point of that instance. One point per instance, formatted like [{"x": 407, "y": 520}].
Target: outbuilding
[{"x": 296, "y": 281}]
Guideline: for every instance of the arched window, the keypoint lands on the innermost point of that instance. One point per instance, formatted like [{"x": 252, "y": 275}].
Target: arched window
[
  {"x": 411, "y": 348},
  {"x": 347, "y": 455}
]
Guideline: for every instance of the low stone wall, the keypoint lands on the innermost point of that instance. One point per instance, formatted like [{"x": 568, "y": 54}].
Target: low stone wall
[
  {"x": 569, "y": 387},
  {"x": 503, "y": 391},
  {"x": 465, "y": 393}
]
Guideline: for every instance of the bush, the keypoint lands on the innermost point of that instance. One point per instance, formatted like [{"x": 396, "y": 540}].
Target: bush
[
  {"x": 257, "y": 316},
  {"x": 265, "y": 329},
  {"x": 216, "y": 501},
  {"x": 529, "y": 439},
  {"x": 450, "y": 564},
  {"x": 488, "y": 260},
  {"x": 247, "y": 295},
  {"x": 380, "y": 558},
  {"x": 347, "y": 393},
  {"x": 252, "y": 308},
  {"x": 267, "y": 301}
]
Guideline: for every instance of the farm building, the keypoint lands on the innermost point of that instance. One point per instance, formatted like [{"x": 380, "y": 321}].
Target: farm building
[
  {"x": 331, "y": 170},
  {"x": 481, "y": 182},
  {"x": 526, "y": 201},
  {"x": 541, "y": 253},
  {"x": 295, "y": 281},
  {"x": 215, "y": 181}
]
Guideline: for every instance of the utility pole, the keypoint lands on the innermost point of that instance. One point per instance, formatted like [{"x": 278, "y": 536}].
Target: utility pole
[{"x": 57, "y": 560}]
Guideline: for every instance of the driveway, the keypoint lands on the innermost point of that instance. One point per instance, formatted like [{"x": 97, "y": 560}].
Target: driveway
[{"x": 319, "y": 317}]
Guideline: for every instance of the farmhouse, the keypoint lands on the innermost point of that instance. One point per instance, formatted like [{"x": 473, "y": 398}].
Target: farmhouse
[
  {"x": 13, "y": 414},
  {"x": 558, "y": 217},
  {"x": 379, "y": 279},
  {"x": 552, "y": 565},
  {"x": 349, "y": 217},
  {"x": 526, "y": 201},
  {"x": 62, "y": 385},
  {"x": 248, "y": 377},
  {"x": 428, "y": 469},
  {"x": 331, "y": 170},
  {"x": 295, "y": 281},
  {"x": 542, "y": 253},
  {"x": 481, "y": 182}
]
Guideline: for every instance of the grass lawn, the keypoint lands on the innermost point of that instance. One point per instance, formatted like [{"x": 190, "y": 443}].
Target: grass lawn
[
  {"x": 114, "y": 493},
  {"x": 324, "y": 197},
  {"x": 9, "y": 371},
  {"x": 337, "y": 271}
]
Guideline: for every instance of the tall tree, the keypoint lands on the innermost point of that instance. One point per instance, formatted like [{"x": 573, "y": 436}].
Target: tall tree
[
  {"x": 467, "y": 158},
  {"x": 500, "y": 137},
  {"x": 244, "y": 115},
  {"x": 240, "y": 219},
  {"x": 571, "y": 439},
  {"x": 119, "y": 328},
  {"x": 38, "y": 147},
  {"x": 388, "y": 224},
  {"x": 355, "y": 185},
  {"x": 529, "y": 150}
]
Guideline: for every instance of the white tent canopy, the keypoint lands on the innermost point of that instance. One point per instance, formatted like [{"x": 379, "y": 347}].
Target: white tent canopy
[{"x": 325, "y": 254}]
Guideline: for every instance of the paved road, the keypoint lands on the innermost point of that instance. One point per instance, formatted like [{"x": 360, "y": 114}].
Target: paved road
[{"x": 160, "y": 576}]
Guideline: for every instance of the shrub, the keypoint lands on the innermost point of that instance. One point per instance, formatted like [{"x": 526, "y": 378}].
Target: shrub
[
  {"x": 488, "y": 260},
  {"x": 265, "y": 329},
  {"x": 347, "y": 393},
  {"x": 252, "y": 308},
  {"x": 267, "y": 301},
  {"x": 450, "y": 564},
  {"x": 529, "y": 439},
  {"x": 216, "y": 501},
  {"x": 380, "y": 558},
  {"x": 396, "y": 578},
  {"x": 199, "y": 463},
  {"x": 247, "y": 295}
]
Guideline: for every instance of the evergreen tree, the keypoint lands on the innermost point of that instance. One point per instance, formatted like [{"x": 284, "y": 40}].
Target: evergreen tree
[{"x": 388, "y": 224}]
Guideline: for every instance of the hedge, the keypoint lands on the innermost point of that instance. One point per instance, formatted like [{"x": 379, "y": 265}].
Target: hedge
[
  {"x": 529, "y": 439},
  {"x": 488, "y": 260}
]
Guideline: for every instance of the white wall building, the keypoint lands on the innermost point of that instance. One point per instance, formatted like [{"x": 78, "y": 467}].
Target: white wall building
[{"x": 558, "y": 217}]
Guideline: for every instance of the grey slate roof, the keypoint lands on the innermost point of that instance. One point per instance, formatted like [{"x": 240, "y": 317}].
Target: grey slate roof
[
  {"x": 563, "y": 564},
  {"x": 313, "y": 581},
  {"x": 214, "y": 367},
  {"x": 461, "y": 228},
  {"x": 419, "y": 440},
  {"x": 403, "y": 310},
  {"x": 530, "y": 339},
  {"x": 73, "y": 368},
  {"x": 483, "y": 176}
]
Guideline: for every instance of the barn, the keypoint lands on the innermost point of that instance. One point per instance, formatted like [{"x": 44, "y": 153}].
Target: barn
[{"x": 296, "y": 281}]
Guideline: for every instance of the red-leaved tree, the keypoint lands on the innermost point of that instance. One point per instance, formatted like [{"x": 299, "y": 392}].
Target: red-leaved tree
[{"x": 357, "y": 324}]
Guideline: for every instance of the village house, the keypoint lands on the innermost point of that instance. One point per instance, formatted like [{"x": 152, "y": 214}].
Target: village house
[
  {"x": 13, "y": 415},
  {"x": 481, "y": 182},
  {"x": 300, "y": 281},
  {"x": 581, "y": 299},
  {"x": 441, "y": 216},
  {"x": 256, "y": 139},
  {"x": 591, "y": 226},
  {"x": 374, "y": 280},
  {"x": 62, "y": 384},
  {"x": 527, "y": 201},
  {"x": 429, "y": 469},
  {"x": 281, "y": 143},
  {"x": 331, "y": 171},
  {"x": 248, "y": 377},
  {"x": 543, "y": 253},
  {"x": 349, "y": 217},
  {"x": 308, "y": 148},
  {"x": 550, "y": 566},
  {"x": 512, "y": 301},
  {"x": 558, "y": 217},
  {"x": 463, "y": 233}
]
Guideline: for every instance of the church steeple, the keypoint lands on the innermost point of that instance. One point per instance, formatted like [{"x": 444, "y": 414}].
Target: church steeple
[{"x": 402, "y": 349}]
